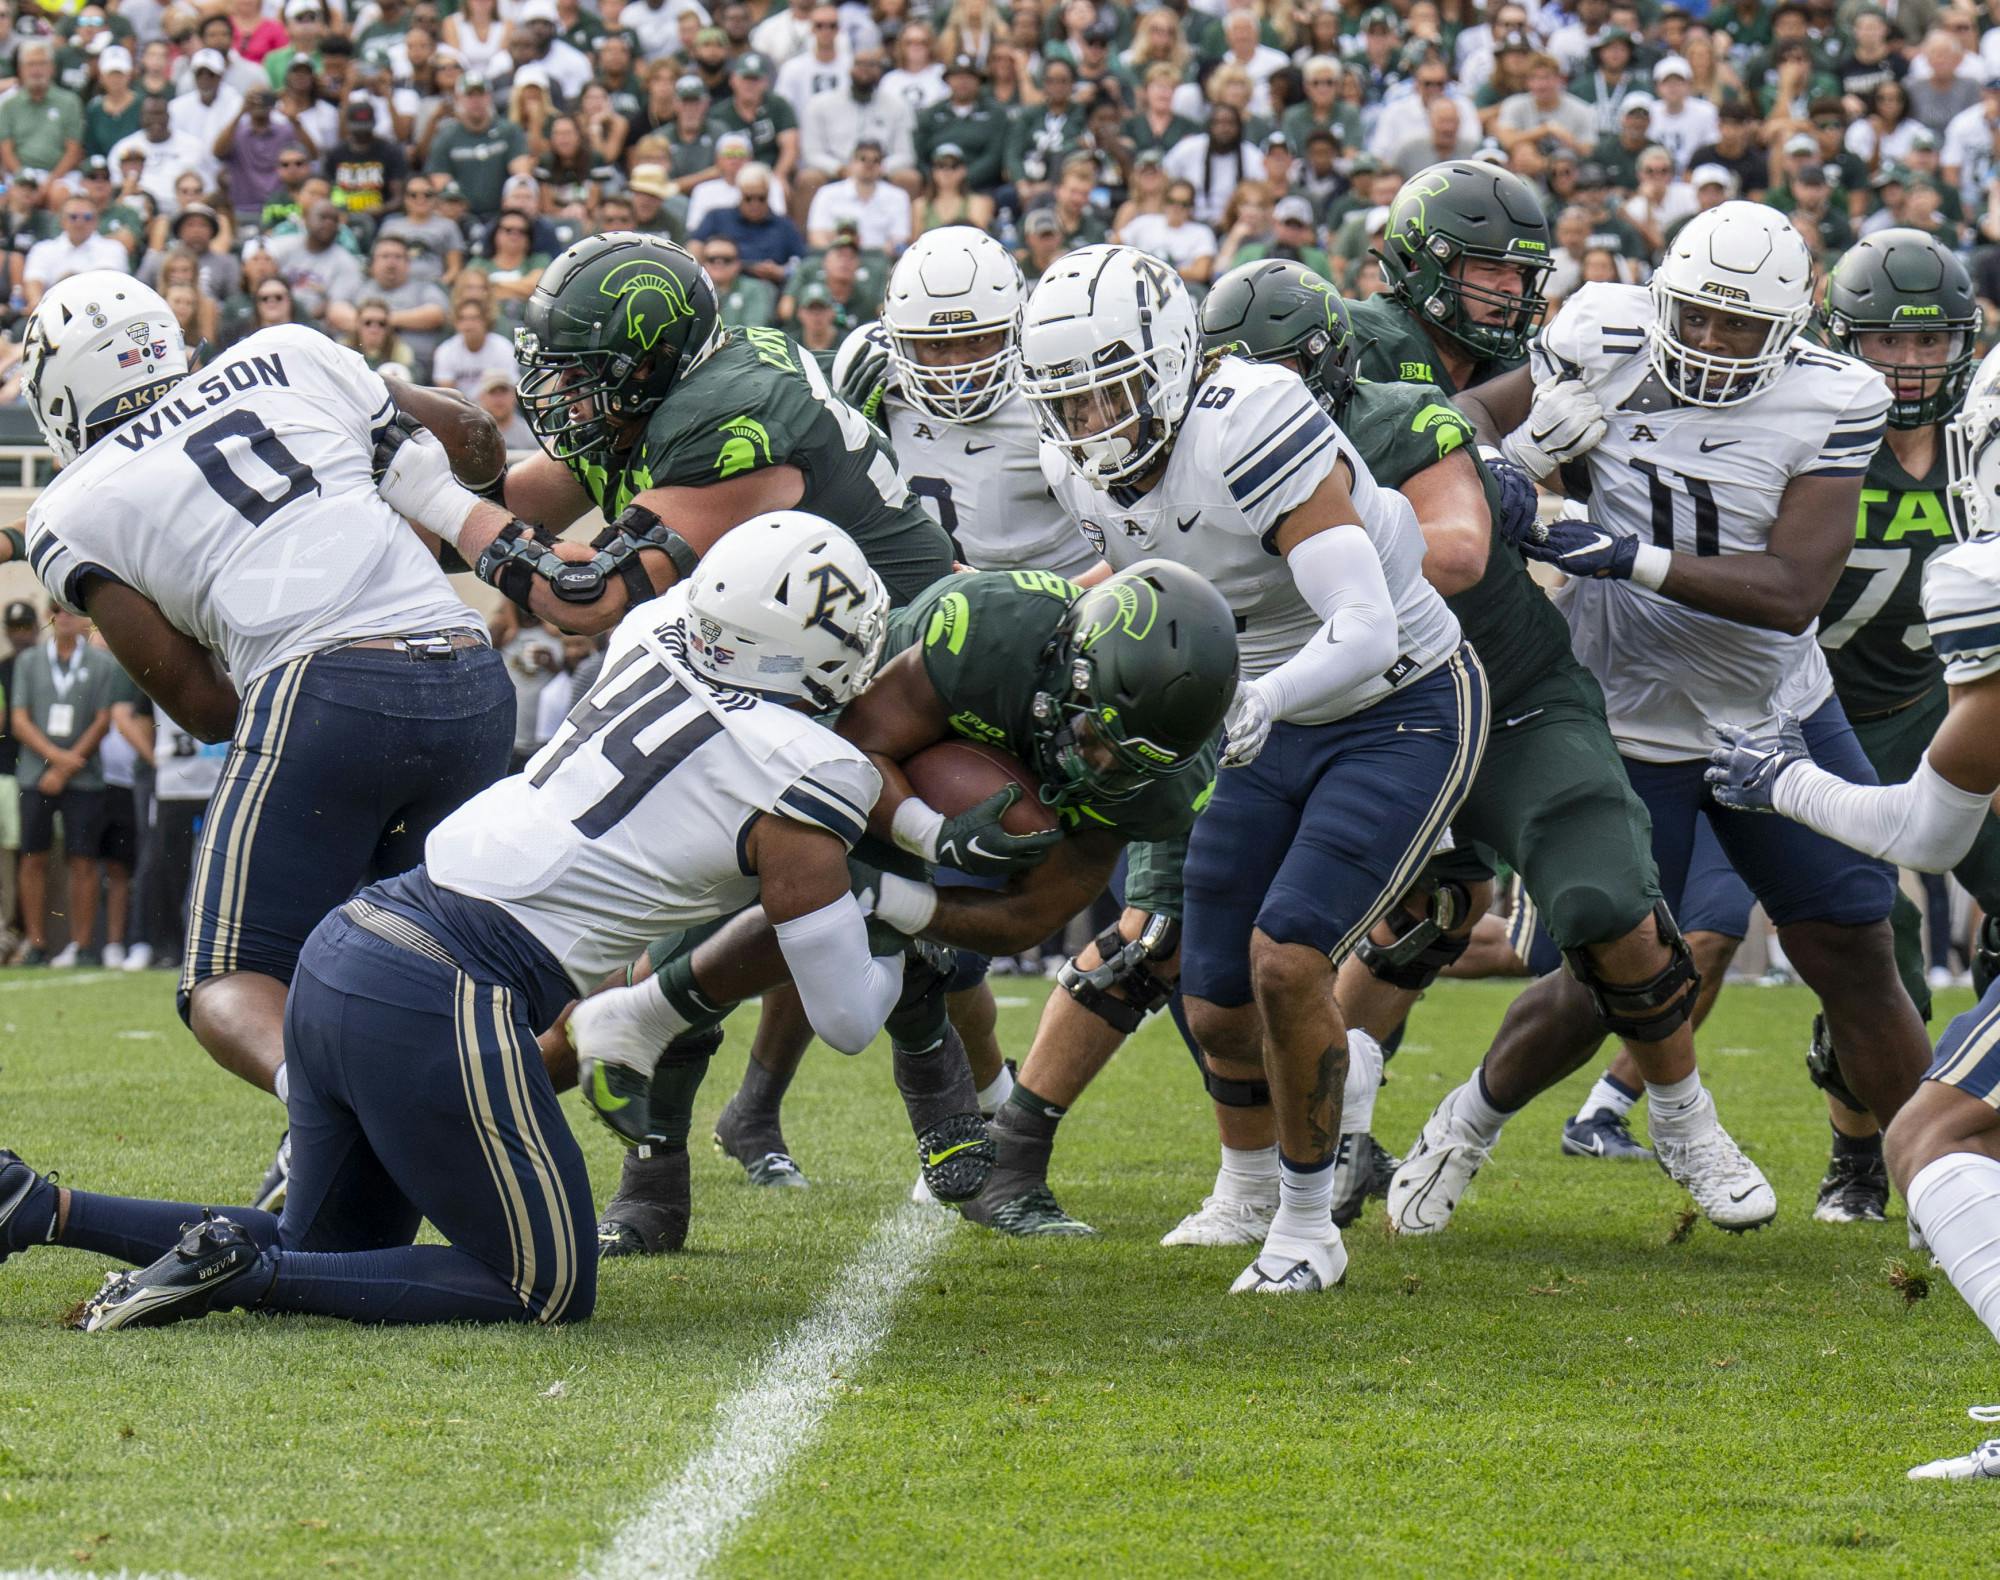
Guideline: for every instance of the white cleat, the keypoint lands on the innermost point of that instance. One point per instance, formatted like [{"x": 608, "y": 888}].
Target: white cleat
[
  {"x": 1982, "y": 1464},
  {"x": 1222, "y": 1221},
  {"x": 1294, "y": 1267},
  {"x": 1429, "y": 1186},
  {"x": 138, "y": 958},
  {"x": 64, "y": 959},
  {"x": 1706, "y": 1162}
]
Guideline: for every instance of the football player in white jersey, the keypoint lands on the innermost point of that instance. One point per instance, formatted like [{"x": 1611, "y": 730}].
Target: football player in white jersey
[
  {"x": 234, "y": 514},
  {"x": 691, "y": 781},
  {"x": 1724, "y": 462},
  {"x": 1358, "y": 728},
  {"x": 1944, "y": 1145}
]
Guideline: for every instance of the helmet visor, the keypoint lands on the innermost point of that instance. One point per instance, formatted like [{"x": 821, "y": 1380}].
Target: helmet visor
[{"x": 1098, "y": 415}]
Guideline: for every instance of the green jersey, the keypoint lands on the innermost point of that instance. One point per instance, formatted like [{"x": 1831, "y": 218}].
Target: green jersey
[
  {"x": 1872, "y": 628},
  {"x": 1402, "y": 428},
  {"x": 985, "y": 639},
  {"x": 760, "y": 401},
  {"x": 1395, "y": 349}
]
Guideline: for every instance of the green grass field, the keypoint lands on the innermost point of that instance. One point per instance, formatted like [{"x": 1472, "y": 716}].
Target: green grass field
[{"x": 1554, "y": 1385}]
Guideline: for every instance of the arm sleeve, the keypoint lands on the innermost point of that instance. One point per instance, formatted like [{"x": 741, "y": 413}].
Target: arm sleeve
[
  {"x": 1340, "y": 575},
  {"x": 847, "y": 994},
  {"x": 1926, "y": 822}
]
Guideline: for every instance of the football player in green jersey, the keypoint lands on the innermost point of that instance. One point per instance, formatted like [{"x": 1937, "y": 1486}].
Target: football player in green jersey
[{"x": 1114, "y": 697}]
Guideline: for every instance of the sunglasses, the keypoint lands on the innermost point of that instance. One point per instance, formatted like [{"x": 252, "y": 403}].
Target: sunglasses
[
  {"x": 374, "y": 323},
  {"x": 271, "y": 296},
  {"x": 81, "y": 214},
  {"x": 719, "y": 257},
  {"x": 511, "y": 230}
]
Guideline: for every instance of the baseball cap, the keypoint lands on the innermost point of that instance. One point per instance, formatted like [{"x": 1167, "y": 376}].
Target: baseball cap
[
  {"x": 531, "y": 76},
  {"x": 1812, "y": 175},
  {"x": 751, "y": 64},
  {"x": 1042, "y": 223},
  {"x": 1924, "y": 138},
  {"x": 1673, "y": 66},
  {"x": 1099, "y": 33},
  {"x": 1365, "y": 165},
  {"x": 116, "y": 58},
  {"x": 97, "y": 165},
  {"x": 1887, "y": 176},
  {"x": 1611, "y": 35},
  {"x": 734, "y": 143},
  {"x": 36, "y": 178},
  {"x": 359, "y": 110},
  {"x": 690, "y": 87},
  {"x": 21, "y": 612},
  {"x": 1295, "y": 210},
  {"x": 471, "y": 82},
  {"x": 209, "y": 60},
  {"x": 451, "y": 192},
  {"x": 1637, "y": 104},
  {"x": 495, "y": 379},
  {"x": 942, "y": 151},
  {"x": 1277, "y": 140},
  {"x": 298, "y": 8},
  {"x": 1713, "y": 176},
  {"x": 539, "y": 11},
  {"x": 1802, "y": 143},
  {"x": 1378, "y": 17},
  {"x": 815, "y": 295},
  {"x": 1591, "y": 175},
  {"x": 960, "y": 64},
  {"x": 199, "y": 211},
  {"x": 1513, "y": 41},
  {"x": 525, "y": 185},
  {"x": 649, "y": 179}
]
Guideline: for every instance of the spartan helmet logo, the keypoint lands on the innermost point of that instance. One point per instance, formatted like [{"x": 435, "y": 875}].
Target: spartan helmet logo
[
  {"x": 1408, "y": 220},
  {"x": 652, "y": 299},
  {"x": 836, "y": 592},
  {"x": 1119, "y": 604}
]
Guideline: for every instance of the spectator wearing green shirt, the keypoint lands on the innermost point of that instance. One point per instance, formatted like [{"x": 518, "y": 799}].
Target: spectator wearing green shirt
[
  {"x": 968, "y": 120},
  {"x": 1156, "y": 126},
  {"x": 305, "y": 22},
  {"x": 114, "y": 113},
  {"x": 742, "y": 300},
  {"x": 475, "y": 150},
  {"x": 1292, "y": 236},
  {"x": 41, "y": 126},
  {"x": 767, "y": 120}
]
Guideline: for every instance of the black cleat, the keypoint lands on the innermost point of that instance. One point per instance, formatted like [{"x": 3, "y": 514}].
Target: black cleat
[
  {"x": 270, "y": 1195},
  {"x": 210, "y": 1268},
  {"x": 760, "y": 1147},
  {"x": 956, "y": 1156},
  {"x": 1603, "y": 1135},
  {"x": 617, "y": 1095},
  {"x": 1366, "y": 1174},
  {"x": 17, "y": 1184},
  {"x": 1035, "y": 1211},
  {"x": 649, "y": 1214},
  {"x": 1855, "y": 1190}
]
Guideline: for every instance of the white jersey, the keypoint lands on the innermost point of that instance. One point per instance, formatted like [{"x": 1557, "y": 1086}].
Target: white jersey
[
  {"x": 243, "y": 504},
  {"x": 1701, "y": 481},
  {"x": 1962, "y": 608},
  {"x": 630, "y": 822},
  {"x": 1253, "y": 446}
]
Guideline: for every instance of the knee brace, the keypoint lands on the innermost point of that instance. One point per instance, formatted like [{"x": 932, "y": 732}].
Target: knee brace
[
  {"x": 1986, "y": 954},
  {"x": 1232, "y": 1094},
  {"x": 1421, "y": 948},
  {"x": 1823, "y": 1068},
  {"x": 1647, "y": 1011},
  {"x": 1126, "y": 966}
]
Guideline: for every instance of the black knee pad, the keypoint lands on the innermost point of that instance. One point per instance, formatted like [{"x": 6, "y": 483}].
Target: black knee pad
[
  {"x": 1823, "y": 1067},
  {"x": 1986, "y": 954},
  {"x": 1422, "y": 948},
  {"x": 1127, "y": 966},
  {"x": 1646, "y": 1011}
]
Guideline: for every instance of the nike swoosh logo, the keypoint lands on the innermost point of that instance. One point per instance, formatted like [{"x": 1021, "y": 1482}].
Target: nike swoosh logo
[
  {"x": 933, "y": 1159},
  {"x": 1743, "y": 1195},
  {"x": 1419, "y": 729},
  {"x": 1522, "y": 718},
  {"x": 1601, "y": 540},
  {"x": 1717, "y": 444},
  {"x": 973, "y": 847},
  {"x": 601, "y": 1095},
  {"x": 1189, "y": 524},
  {"x": 979, "y": 449}
]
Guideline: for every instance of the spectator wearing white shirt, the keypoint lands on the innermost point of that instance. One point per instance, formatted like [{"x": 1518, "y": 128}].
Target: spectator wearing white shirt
[
  {"x": 1680, "y": 123},
  {"x": 657, "y": 24},
  {"x": 919, "y": 76},
  {"x": 475, "y": 351},
  {"x": 1407, "y": 119},
  {"x": 880, "y": 210},
  {"x": 723, "y": 190},
  {"x": 1572, "y": 43},
  {"x": 1661, "y": 201},
  {"x": 1176, "y": 236},
  {"x": 207, "y": 110},
  {"x": 833, "y": 125},
  {"x": 1969, "y": 154},
  {"x": 786, "y": 33},
  {"x": 1213, "y": 163},
  {"x": 1239, "y": 33},
  {"x": 501, "y": 401},
  {"x": 1544, "y": 119},
  {"x": 79, "y": 248},
  {"x": 165, "y": 151},
  {"x": 821, "y": 68}
]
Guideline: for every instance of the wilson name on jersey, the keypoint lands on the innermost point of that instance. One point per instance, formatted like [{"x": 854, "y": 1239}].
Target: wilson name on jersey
[
  {"x": 983, "y": 482},
  {"x": 1705, "y": 482},
  {"x": 244, "y": 505},
  {"x": 1253, "y": 447},
  {"x": 631, "y": 821},
  {"x": 1962, "y": 604}
]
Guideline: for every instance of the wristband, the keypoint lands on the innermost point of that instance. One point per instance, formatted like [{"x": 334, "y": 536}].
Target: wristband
[
  {"x": 905, "y": 904},
  {"x": 1651, "y": 564},
  {"x": 16, "y": 543},
  {"x": 916, "y": 827}
]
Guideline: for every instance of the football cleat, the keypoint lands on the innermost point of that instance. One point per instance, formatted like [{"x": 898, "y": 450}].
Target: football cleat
[
  {"x": 648, "y": 1216},
  {"x": 207, "y": 1271},
  {"x": 1730, "y": 1190},
  {"x": 270, "y": 1195},
  {"x": 1429, "y": 1185},
  {"x": 1982, "y": 1464},
  {"x": 760, "y": 1148},
  {"x": 1362, "y": 1168},
  {"x": 1035, "y": 1211},
  {"x": 619, "y": 1096},
  {"x": 956, "y": 1156},
  {"x": 1294, "y": 1267},
  {"x": 1855, "y": 1190},
  {"x": 17, "y": 1184},
  {"x": 1604, "y": 1134},
  {"x": 1221, "y": 1220}
]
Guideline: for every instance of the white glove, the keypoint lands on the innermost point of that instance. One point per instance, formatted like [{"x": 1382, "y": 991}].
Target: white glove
[
  {"x": 417, "y": 483},
  {"x": 1246, "y": 726},
  {"x": 1564, "y": 422}
]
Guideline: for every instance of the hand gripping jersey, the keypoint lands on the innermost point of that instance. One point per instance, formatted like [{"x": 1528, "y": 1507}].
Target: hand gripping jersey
[
  {"x": 1962, "y": 604},
  {"x": 1872, "y": 628},
  {"x": 757, "y": 401},
  {"x": 630, "y": 822},
  {"x": 983, "y": 481},
  {"x": 1699, "y": 481},
  {"x": 243, "y": 504},
  {"x": 1253, "y": 447},
  {"x": 1395, "y": 349},
  {"x": 986, "y": 641}
]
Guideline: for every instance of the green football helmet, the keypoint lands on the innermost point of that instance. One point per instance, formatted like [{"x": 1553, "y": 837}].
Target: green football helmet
[
  {"x": 1905, "y": 282},
  {"x": 1134, "y": 684},
  {"x": 1276, "y": 309},
  {"x": 1467, "y": 209},
  {"x": 615, "y": 323}
]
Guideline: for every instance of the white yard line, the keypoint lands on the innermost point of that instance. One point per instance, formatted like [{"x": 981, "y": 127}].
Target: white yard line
[
  {"x": 70, "y": 1574},
  {"x": 56, "y": 979},
  {"x": 761, "y": 1429}
]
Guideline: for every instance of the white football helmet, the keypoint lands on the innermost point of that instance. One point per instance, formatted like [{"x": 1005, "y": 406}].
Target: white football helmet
[
  {"x": 98, "y": 349},
  {"x": 1739, "y": 258},
  {"x": 787, "y": 605},
  {"x": 954, "y": 284},
  {"x": 1972, "y": 455},
  {"x": 1109, "y": 350}
]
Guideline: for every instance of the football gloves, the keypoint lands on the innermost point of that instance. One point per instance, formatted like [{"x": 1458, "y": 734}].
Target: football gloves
[
  {"x": 1246, "y": 726},
  {"x": 1564, "y": 422},
  {"x": 1744, "y": 770},
  {"x": 1519, "y": 502},
  {"x": 975, "y": 843},
  {"x": 866, "y": 380},
  {"x": 1577, "y": 546}
]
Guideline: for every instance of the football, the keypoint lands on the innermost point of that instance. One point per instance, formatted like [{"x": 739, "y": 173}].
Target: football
[{"x": 955, "y": 775}]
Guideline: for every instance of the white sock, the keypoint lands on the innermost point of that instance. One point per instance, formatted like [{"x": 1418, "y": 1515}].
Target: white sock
[
  {"x": 1956, "y": 1202},
  {"x": 1305, "y": 1203},
  {"x": 1608, "y": 1093},
  {"x": 1676, "y": 1105},
  {"x": 281, "y": 1083},
  {"x": 1364, "y": 1082},
  {"x": 1478, "y": 1115},
  {"x": 1250, "y": 1174},
  {"x": 996, "y": 1091}
]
